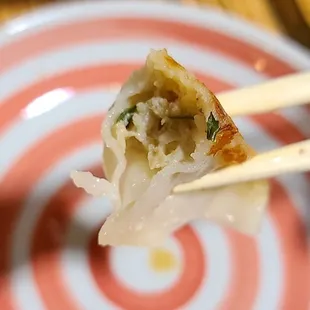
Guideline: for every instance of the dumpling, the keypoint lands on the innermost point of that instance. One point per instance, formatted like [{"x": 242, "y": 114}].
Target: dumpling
[{"x": 166, "y": 128}]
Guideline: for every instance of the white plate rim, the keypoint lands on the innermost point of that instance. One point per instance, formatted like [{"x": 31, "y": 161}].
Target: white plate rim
[{"x": 53, "y": 14}]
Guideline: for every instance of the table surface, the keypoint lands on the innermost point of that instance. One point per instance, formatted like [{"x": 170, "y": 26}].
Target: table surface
[{"x": 291, "y": 17}]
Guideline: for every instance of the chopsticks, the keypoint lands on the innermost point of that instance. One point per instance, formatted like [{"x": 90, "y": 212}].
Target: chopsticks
[
  {"x": 291, "y": 90},
  {"x": 291, "y": 158}
]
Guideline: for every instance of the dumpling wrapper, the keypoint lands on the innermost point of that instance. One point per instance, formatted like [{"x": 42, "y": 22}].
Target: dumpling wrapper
[{"x": 166, "y": 128}]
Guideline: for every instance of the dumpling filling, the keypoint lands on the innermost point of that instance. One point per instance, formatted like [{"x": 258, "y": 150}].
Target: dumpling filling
[{"x": 166, "y": 128}]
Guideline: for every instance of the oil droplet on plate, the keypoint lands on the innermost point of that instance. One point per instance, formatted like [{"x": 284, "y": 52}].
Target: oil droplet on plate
[{"x": 162, "y": 260}]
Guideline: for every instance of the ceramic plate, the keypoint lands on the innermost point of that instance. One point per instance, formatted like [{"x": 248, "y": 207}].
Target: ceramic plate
[{"x": 60, "y": 69}]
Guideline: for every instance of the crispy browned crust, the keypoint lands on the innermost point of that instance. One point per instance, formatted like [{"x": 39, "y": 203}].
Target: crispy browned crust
[
  {"x": 229, "y": 147},
  {"x": 172, "y": 63},
  {"x": 231, "y": 153}
]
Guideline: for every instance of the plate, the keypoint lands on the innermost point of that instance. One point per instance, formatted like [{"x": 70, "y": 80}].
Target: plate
[{"x": 60, "y": 70}]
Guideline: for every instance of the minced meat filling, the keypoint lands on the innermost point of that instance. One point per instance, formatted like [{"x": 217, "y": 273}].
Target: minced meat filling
[{"x": 160, "y": 127}]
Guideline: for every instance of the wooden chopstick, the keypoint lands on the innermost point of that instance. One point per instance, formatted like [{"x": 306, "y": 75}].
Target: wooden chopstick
[
  {"x": 287, "y": 159},
  {"x": 291, "y": 90}
]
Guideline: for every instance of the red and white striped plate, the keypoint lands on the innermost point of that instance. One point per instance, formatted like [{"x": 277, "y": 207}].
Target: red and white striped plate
[{"x": 59, "y": 71}]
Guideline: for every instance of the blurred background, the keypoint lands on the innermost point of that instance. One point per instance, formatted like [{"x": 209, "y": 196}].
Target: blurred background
[{"x": 290, "y": 17}]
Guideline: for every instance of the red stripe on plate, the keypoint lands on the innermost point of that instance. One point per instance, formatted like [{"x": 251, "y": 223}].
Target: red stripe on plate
[
  {"x": 33, "y": 164},
  {"x": 278, "y": 127},
  {"x": 294, "y": 248},
  {"x": 292, "y": 237},
  {"x": 48, "y": 241},
  {"x": 106, "y": 29},
  {"x": 174, "y": 297},
  {"x": 244, "y": 280}
]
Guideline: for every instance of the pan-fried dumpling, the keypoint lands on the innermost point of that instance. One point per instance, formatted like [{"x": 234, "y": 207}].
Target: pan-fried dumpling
[{"x": 166, "y": 128}]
